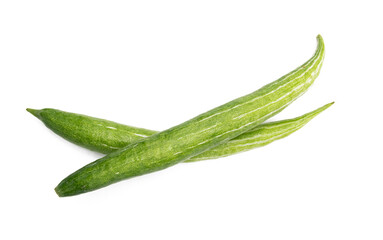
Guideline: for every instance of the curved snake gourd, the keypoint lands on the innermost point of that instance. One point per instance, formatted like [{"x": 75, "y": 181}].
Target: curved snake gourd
[
  {"x": 199, "y": 134},
  {"x": 106, "y": 136}
]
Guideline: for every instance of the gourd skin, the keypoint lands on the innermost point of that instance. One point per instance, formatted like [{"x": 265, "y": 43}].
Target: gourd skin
[{"x": 197, "y": 135}]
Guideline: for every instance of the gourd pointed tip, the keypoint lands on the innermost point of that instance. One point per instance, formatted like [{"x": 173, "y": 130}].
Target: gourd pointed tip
[
  {"x": 319, "y": 110},
  {"x": 34, "y": 112},
  {"x": 327, "y": 105}
]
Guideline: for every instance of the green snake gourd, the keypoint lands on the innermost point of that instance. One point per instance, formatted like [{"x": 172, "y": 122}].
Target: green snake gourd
[
  {"x": 197, "y": 135},
  {"x": 106, "y": 136}
]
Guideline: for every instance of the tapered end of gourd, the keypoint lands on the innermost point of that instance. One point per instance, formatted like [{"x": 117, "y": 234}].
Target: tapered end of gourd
[
  {"x": 321, "y": 109},
  {"x": 308, "y": 116},
  {"x": 69, "y": 187},
  {"x": 62, "y": 191},
  {"x": 326, "y": 106},
  {"x": 59, "y": 193},
  {"x": 35, "y": 112}
]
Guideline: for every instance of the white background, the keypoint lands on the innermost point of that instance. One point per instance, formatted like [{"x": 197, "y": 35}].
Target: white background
[{"x": 156, "y": 64}]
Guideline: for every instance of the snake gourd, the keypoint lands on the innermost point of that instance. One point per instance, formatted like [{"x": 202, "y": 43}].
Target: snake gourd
[
  {"x": 197, "y": 135},
  {"x": 106, "y": 136}
]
